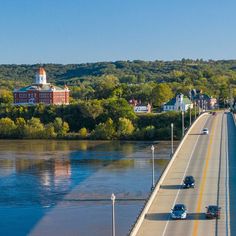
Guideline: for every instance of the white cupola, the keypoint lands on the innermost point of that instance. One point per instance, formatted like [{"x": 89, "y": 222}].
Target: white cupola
[{"x": 41, "y": 77}]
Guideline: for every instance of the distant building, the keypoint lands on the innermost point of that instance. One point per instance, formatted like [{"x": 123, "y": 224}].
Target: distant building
[
  {"x": 179, "y": 103},
  {"x": 205, "y": 102},
  {"x": 41, "y": 92},
  {"x": 143, "y": 108},
  {"x": 139, "y": 107}
]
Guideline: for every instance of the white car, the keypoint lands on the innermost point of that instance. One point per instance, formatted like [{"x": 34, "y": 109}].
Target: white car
[{"x": 205, "y": 131}]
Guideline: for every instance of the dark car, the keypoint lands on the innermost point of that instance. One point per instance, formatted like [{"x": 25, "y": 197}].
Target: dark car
[
  {"x": 179, "y": 212},
  {"x": 213, "y": 211},
  {"x": 213, "y": 113},
  {"x": 189, "y": 182}
]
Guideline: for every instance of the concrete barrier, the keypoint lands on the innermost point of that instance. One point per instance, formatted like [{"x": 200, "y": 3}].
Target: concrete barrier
[
  {"x": 140, "y": 218},
  {"x": 234, "y": 118}
]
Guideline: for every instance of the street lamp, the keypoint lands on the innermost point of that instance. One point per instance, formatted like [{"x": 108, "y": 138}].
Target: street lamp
[
  {"x": 153, "y": 182},
  {"x": 113, "y": 197},
  {"x": 182, "y": 124},
  {"x": 172, "y": 146},
  {"x": 195, "y": 112},
  {"x": 190, "y": 116}
]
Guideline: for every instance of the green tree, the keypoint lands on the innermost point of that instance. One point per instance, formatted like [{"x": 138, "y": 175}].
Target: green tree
[
  {"x": 104, "y": 131},
  {"x": 7, "y": 128},
  {"x": 34, "y": 128},
  {"x": 83, "y": 133},
  {"x": 161, "y": 93},
  {"x": 61, "y": 127},
  {"x": 49, "y": 131},
  {"x": 91, "y": 108},
  {"x": 20, "y": 127},
  {"x": 124, "y": 127}
]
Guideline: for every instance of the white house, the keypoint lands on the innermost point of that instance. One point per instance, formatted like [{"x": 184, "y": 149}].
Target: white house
[
  {"x": 142, "y": 108},
  {"x": 179, "y": 103}
]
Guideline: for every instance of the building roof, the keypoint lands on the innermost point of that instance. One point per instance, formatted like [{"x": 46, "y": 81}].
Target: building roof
[
  {"x": 186, "y": 100},
  {"x": 41, "y": 71},
  {"x": 42, "y": 87},
  {"x": 171, "y": 102}
]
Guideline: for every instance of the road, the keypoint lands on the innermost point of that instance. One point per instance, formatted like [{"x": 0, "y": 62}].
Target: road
[{"x": 211, "y": 159}]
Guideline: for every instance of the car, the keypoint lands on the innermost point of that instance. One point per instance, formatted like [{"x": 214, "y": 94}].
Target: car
[
  {"x": 213, "y": 211},
  {"x": 179, "y": 212},
  {"x": 205, "y": 131},
  {"x": 214, "y": 113},
  {"x": 189, "y": 182}
]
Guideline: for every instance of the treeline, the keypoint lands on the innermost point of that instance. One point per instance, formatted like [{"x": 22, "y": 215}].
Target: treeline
[
  {"x": 127, "y": 79},
  {"x": 107, "y": 120}
]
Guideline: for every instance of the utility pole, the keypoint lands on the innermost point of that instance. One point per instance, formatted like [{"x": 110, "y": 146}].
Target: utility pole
[
  {"x": 172, "y": 134},
  {"x": 113, "y": 197},
  {"x": 153, "y": 181},
  {"x": 182, "y": 123}
]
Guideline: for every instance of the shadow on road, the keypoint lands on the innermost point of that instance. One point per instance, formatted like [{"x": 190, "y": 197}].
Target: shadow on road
[
  {"x": 176, "y": 186},
  {"x": 166, "y": 216}
]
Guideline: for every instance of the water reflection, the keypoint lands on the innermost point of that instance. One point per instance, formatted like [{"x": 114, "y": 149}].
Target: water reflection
[{"x": 38, "y": 177}]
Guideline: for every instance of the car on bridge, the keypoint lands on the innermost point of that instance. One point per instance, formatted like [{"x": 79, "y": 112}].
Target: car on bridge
[
  {"x": 189, "y": 182},
  {"x": 179, "y": 212},
  {"x": 212, "y": 212},
  {"x": 205, "y": 131}
]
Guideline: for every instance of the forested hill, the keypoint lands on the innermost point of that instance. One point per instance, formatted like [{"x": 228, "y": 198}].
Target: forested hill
[{"x": 139, "y": 71}]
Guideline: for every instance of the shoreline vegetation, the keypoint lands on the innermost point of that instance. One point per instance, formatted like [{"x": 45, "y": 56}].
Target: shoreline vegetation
[
  {"x": 99, "y": 95},
  {"x": 66, "y": 122}
]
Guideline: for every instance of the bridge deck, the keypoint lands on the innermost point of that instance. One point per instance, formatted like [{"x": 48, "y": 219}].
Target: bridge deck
[{"x": 207, "y": 158}]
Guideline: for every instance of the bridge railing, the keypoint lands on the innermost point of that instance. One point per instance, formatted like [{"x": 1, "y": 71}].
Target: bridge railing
[{"x": 135, "y": 227}]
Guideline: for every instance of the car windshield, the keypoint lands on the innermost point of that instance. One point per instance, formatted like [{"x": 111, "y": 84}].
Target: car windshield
[
  {"x": 189, "y": 178},
  {"x": 179, "y": 208},
  {"x": 212, "y": 208}
]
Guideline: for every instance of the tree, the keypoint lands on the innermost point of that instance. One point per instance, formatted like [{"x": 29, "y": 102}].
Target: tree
[
  {"x": 7, "y": 128},
  {"x": 6, "y": 96},
  {"x": 20, "y": 127},
  {"x": 49, "y": 131},
  {"x": 34, "y": 128},
  {"x": 91, "y": 108},
  {"x": 124, "y": 127},
  {"x": 61, "y": 127},
  {"x": 83, "y": 133},
  {"x": 161, "y": 93},
  {"x": 104, "y": 131}
]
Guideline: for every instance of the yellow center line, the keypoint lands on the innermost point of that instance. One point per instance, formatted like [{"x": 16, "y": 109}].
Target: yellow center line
[{"x": 203, "y": 181}]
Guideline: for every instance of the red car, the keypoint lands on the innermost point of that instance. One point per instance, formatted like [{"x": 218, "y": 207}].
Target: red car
[{"x": 213, "y": 211}]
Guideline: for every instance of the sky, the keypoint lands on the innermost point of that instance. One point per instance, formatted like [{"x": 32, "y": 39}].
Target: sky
[{"x": 81, "y": 31}]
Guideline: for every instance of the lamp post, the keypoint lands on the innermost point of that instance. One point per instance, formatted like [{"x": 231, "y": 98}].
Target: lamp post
[
  {"x": 153, "y": 182},
  {"x": 195, "y": 112},
  {"x": 182, "y": 124},
  {"x": 190, "y": 116},
  {"x": 113, "y": 197},
  {"x": 172, "y": 146}
]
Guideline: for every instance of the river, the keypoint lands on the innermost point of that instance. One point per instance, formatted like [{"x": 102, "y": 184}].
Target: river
[{"x": 64, "y": 187}]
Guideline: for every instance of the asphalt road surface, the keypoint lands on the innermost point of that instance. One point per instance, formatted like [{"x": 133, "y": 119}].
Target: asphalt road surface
[{"x": 211, "y": 159}]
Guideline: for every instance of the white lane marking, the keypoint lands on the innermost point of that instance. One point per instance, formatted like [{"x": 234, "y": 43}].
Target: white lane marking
[{"x": 191, "y": 155}]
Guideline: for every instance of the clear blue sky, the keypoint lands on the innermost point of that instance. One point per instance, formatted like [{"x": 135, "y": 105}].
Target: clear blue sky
[{"x": 76, "y": 31}]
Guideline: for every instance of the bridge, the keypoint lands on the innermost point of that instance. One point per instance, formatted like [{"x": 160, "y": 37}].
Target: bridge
[{"x": 211, "y": 159}]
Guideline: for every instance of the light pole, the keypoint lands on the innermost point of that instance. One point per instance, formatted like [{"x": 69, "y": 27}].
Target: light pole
[
  {"x": 195, "y": 112},
  {"x": 153, "y": 182},
  {"x": 172, "y": 146},
  {"x": 113, "y": 197},
  {"x": 182, "y": 124},
  {"x": 190, "y": 116}
]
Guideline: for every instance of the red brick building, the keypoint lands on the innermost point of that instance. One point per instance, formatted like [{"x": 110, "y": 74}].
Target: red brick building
[{"x": 41, "y": 92}]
